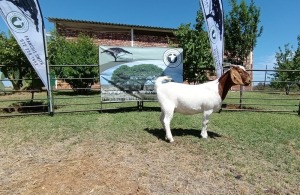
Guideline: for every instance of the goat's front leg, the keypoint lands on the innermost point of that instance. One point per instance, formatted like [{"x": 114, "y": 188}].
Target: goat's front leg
[
  {"x": 205, "y": 120},
  {"x": 165, "y": 119}
]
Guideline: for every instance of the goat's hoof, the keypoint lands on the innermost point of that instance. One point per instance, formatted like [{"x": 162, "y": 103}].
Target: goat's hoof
[
  {"x": 204, "y": 136},
  {"x": 170, "y": 140}
]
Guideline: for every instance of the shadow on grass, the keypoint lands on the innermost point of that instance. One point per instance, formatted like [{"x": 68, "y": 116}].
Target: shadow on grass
[
  {"x": 129, "y": 109},
  {"x": 160, "y": 133},
  {"x": 75, "y": 93},
  {"x": 27, "y": 107}
]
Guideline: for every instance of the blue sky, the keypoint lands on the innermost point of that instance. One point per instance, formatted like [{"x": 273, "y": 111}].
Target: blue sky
[{"x": 280, "y": 19}]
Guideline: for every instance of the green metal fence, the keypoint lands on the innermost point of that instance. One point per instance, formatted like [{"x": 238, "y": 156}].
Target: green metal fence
[{"x": 261, "y": 98}]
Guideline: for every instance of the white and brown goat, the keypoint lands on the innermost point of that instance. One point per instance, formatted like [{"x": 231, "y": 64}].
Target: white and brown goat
[{"x": 193, "y": 99}]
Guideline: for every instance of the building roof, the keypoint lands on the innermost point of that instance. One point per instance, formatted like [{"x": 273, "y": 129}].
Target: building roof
[{"x": 108, "y": 27}]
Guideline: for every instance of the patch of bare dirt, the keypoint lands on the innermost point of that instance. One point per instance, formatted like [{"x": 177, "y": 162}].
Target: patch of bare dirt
[
  {"x": 236, "y": 106},
  {"x": 61, "y": 170},
  {"x": 90, "y": 167}
]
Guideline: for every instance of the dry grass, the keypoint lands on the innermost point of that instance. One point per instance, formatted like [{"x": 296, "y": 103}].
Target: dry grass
[{"x": 107, "y": 168}]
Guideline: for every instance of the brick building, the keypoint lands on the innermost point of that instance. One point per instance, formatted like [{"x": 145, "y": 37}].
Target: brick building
[{"x": 115, "y": 34}]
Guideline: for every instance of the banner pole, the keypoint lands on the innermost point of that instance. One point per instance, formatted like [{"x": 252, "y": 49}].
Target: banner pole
[{"x": 49, "y": 90}]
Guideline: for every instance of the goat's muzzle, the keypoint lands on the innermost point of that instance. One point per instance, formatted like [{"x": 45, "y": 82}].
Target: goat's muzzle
[{"x": 247, "y": 80}]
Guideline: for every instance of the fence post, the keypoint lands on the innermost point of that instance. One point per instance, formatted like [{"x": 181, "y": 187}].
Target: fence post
[
  {"x": 299, "y": 108},
  {"x": 265, "y": 76},
  {"x": 99, "y": 77},
  {"x": 241, "y": 96}
]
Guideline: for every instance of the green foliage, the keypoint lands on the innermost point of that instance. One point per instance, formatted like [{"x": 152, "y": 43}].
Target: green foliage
[
  {"x": 81, "y": 51},
  {"x": 241, "y": 31},
  {"x": 287, "y": 59},
  {"x": 18, "y": 69},
  {"x": 135, "y": 77},
  {"x": 196, "y": 50}
]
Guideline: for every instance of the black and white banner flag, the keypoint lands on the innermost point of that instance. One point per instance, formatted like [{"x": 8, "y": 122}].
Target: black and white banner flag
[
  {"x": 24, "y": 19},
  {"x": 213, "y": 14}
]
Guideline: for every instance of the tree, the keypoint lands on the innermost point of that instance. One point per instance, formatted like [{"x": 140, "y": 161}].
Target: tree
[
  {"x": 116, "y": 52},
  {"x": 81, "y": 51},
  {"x": 241, "y": 31},
  {"x": 135, "y": 77},
  {"x": 286, "y": 59},
  {"x": 17, "y": 67},
  {"x": 196, "y": 50}
]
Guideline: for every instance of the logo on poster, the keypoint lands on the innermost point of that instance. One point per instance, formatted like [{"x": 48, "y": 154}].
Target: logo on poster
[
  {"x": 17, "y": 22},
  {"x": 172, "y": 58}
]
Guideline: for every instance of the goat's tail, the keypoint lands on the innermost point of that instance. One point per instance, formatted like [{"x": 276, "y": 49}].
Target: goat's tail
[{"x": 160, "y": 80}]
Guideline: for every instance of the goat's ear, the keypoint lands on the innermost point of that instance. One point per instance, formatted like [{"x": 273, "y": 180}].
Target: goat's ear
[{"x": 235, "y": 76}]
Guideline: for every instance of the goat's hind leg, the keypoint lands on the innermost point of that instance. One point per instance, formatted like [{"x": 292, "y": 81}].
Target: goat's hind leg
[
  {"x": 205, "y": 120},
  {"x": 165, "y": 119}
]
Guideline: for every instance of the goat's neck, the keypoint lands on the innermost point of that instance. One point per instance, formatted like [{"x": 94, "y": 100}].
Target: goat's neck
[{"x": 225, "y": 83}]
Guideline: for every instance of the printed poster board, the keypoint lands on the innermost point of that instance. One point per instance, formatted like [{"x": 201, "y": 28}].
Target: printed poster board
[{"x": 129, "y": 73}]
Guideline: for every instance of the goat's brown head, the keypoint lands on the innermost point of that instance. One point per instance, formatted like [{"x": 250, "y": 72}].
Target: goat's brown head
[{"x": 239, "y": 75}]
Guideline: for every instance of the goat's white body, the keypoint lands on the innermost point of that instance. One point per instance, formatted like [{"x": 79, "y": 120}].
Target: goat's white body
[{"x": 187, "y": 99}]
